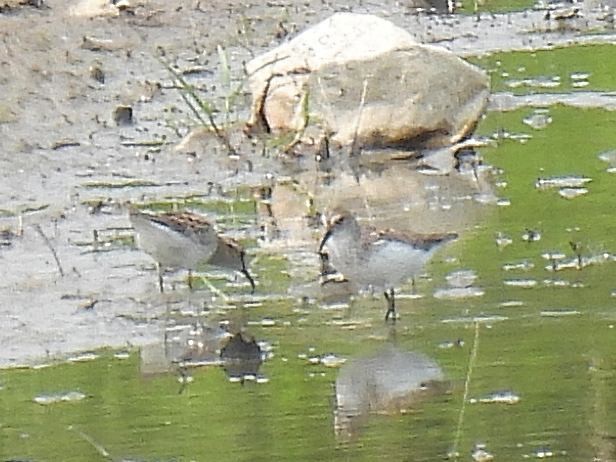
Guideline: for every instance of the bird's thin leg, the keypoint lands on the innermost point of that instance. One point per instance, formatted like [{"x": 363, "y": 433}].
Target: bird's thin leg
[
  {"x": 190, "y": 276},
  {"x": 184, "y": 378},
  {"x": 391, "y": 305},
  {"x": 245, "y": 272},
  {"x": 160, "y": 277},
  {"x": 576, "y": 247}
]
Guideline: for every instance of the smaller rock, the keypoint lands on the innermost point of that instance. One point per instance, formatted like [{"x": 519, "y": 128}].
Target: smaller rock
[
  {"x": 94, "y": 8},
  {"x": 96, "y": 44},
  {"x": 123, "y": 115},
  {"x": 97, "y": 73}
]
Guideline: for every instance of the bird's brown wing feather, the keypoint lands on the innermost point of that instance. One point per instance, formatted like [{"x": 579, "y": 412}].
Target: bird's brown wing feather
[
  {"x": 181, "y": 222},
  {"x": 421, "y": 241}
]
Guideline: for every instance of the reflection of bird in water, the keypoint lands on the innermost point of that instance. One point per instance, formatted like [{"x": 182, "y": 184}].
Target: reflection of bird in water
[
  {"x": 241, "y": 358},
  {"x": 380, "y": 259},
  {"x": 391, "y": 380},
  {"x": 186, "y": 240}
]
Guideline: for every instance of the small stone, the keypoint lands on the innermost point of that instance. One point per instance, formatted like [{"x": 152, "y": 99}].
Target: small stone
[
  {"x": 96, "y": 44},
  {"x": 93, "y": 8},
  {"x": 97, "y": 73},
  {"x": 123, "y": 115}
]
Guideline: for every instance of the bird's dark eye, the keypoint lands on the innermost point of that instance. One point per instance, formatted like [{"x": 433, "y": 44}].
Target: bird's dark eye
[{"x": 337, "y": 219}]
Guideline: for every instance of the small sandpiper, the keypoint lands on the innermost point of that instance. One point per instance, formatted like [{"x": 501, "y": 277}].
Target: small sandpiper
[
  {"x": 379, "y": 259},
  {"x": 186, "y": 240}
]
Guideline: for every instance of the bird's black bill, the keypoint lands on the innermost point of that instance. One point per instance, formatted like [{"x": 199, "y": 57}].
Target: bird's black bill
[
  {"x": 250, "y": 279},
  {"x": 324, "y": 240},
  {"x": 245, "y": 272}
]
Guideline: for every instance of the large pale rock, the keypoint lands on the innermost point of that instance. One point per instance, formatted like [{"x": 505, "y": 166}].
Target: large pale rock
[{"x": 361, "y": 77}]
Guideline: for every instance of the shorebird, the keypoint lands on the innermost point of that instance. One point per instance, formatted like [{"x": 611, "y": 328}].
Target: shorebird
[
  {"x": 378, "y": 259},
  {"x": 186, "y": 240}
]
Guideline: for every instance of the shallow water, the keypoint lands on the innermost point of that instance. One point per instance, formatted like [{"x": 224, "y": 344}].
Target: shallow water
[{"x": 522, "y": 329}]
